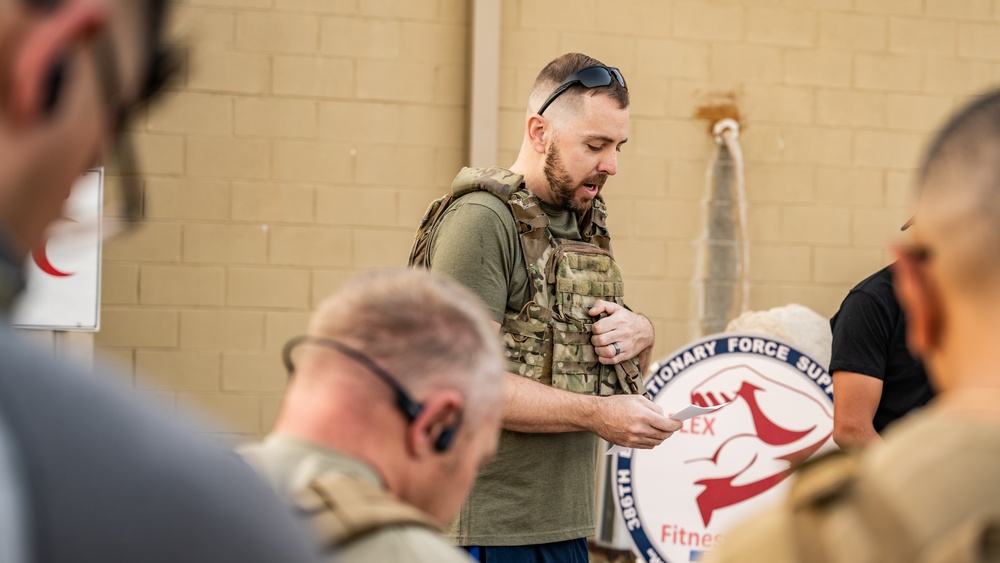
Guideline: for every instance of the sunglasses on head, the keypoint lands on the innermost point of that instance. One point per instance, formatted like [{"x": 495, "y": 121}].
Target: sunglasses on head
[{"x": 590, "y": 77}]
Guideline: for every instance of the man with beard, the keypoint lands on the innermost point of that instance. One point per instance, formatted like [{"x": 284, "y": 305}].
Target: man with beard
[{"x": 531, "y": 241}]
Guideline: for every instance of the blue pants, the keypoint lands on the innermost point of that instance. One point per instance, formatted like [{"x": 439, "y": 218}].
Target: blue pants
[{"x": 569, "y": 551}]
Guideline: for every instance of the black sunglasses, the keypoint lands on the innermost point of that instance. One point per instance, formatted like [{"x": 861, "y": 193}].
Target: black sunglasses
[
  {"x": 590, "y": 77},
  {"x": 411, "y": 408}
]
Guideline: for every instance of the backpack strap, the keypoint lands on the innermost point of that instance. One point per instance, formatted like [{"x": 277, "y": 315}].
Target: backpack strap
[
  {"x": 500, "y": 182},
  {"x": 339, "y": 509},
  {"x": 532, "y": 225},
  {"x": 418, "y": 253},
  {"x": 594, "y": 225}
]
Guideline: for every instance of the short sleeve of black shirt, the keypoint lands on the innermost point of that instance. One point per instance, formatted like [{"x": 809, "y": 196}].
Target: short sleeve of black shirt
[
  {"x": 862, "y": 334},
  {"x": 869, "y": 337}
]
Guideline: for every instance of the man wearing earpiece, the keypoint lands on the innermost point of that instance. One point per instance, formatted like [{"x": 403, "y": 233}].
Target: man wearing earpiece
[{"x": 394, "y": 403}]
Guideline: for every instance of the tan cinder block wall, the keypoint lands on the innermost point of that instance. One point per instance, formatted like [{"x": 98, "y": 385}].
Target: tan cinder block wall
[
  {"x": 302, "y": 145},
  {"x": 308, "y": 137},
  {"x": 837, "y": 98}
]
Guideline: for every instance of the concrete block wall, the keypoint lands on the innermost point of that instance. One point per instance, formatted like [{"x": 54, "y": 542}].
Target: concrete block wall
[
  {"x": 303, "y": 144},
  {"x": 837, "y": 98},
  {"x": 308, "y": 136}
]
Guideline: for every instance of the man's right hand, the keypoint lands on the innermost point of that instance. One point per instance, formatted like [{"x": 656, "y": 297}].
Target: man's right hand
[{"x": 632, "y": 421}]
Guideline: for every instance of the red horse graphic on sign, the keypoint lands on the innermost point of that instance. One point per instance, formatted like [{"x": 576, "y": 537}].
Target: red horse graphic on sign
[{"x": 750, "y": 462}]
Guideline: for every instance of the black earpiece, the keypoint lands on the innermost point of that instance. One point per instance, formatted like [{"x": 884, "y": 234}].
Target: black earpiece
[
  {"x": 54, "y": 85},
  {"x": 446, "y": 437}
]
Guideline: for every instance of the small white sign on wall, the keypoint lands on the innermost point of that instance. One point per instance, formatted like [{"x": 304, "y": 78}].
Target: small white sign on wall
[{"x": 64, "y": 271}]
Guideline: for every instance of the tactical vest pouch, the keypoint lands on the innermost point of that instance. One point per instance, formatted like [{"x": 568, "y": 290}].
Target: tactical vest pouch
[
  {"x": 581, "y": 274},
  {"x": 575, "y": 365},
  {"x": 525, "y": 337}
]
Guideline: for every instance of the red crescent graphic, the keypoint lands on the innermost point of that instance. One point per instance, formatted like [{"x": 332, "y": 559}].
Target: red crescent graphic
[{"x": 40, "y": 255}]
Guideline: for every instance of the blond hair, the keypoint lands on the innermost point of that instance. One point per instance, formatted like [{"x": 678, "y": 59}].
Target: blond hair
[{"x": 427, "y": 330}]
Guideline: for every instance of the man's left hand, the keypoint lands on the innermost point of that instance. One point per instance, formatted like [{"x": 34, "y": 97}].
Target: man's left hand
[{"x": 631, "y": 332}]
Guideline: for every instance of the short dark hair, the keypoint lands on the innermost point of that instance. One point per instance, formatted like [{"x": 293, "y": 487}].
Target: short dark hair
[
  {"x": 970, "y": 133},
  {"x": 559, "y": 69},
  {"x": 959, "y": 179}
]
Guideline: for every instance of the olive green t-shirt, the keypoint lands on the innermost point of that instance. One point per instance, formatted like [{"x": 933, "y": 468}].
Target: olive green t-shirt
[{"x": 540, "y": 487}]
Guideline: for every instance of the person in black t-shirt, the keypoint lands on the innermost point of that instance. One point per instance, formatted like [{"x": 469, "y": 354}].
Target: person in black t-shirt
[{"x": 875, "y": 378}]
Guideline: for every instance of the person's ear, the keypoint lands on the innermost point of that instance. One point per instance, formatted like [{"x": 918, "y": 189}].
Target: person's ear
[
  {"x": 433, "y": 432},
  {"x": 538, "y": 129},
  {"x": 917, "y": 296},
  {"x": 38, "y": 65}
]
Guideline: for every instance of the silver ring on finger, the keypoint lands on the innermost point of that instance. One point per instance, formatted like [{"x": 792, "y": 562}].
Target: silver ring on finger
[{"x": 617, "y": 349}]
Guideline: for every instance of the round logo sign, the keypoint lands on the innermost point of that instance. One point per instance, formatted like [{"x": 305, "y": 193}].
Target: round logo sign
[{"x": 678, "y": 498}]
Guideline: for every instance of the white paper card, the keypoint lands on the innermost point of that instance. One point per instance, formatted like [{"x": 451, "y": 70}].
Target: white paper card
[{"x": 687, "y": 412}]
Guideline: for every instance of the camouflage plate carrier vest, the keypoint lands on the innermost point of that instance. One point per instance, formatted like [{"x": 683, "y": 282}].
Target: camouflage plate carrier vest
[{"x": 549, "y": 339}]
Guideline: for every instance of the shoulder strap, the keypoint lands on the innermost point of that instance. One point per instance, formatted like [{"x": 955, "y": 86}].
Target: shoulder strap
[
  {"x": 339, "y": 509},
  {"x": 594, "y": 225},
  {"x": 532, "y": 225},
  {"x": 418, "y": 253},
  {"x": 499, "y": 182}
]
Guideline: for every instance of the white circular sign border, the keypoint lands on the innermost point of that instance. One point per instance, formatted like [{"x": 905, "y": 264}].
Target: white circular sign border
[{"x": 643, "y": 547}]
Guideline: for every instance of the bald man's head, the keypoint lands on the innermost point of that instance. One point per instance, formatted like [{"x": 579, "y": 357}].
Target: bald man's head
[{"x": 958, "y": 207}]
